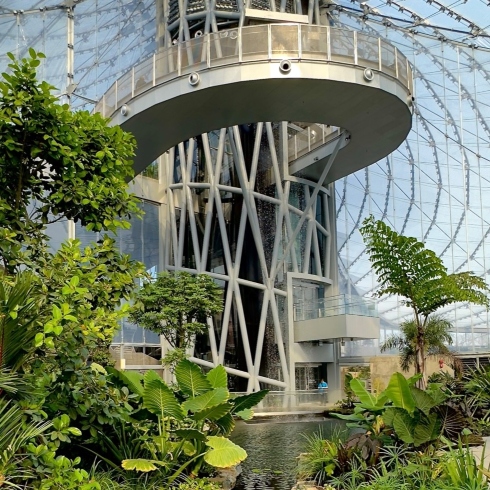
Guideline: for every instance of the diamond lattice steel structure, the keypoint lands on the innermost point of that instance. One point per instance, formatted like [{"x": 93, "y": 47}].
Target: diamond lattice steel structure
[{"x": 271, "y": 209}]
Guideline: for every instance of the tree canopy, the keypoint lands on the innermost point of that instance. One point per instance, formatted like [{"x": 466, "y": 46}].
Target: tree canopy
[
  {"x": 55, "y": 164},
  {"x": 177, "y": 306},
  {"x": 406, "y": 268}
]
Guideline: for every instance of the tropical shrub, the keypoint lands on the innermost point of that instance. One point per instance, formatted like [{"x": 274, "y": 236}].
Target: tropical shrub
[
  {"x": 177, "y": 306},
  {"x": 58, "y": 310},
  {"x": 325, "y": 458},
  {"x": 14, "y": 436},
  {"x": 400, "y": 468},
  {"x": 405, "y": 413},
  {"x": 193, "y": 419}
]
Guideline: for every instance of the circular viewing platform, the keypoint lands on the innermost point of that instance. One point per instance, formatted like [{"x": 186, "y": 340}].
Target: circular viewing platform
[{"x": 271, "y": 72}]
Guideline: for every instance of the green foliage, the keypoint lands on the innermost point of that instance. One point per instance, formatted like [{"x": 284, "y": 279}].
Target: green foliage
[
  {"x": 58, "y": 472},
  {"x": 324, "y": 459},
  {"x": 55, "y": 164},
  {"x": 223, "y": 453},
  {"x": 406, "y": 413},
  {"x": 177, "y": 306},
  {"x": 435, "y": 340},
  {"x": 14, "y": 436},
  {"x": 192, "y": 421},
  {"x": 190, "y": 378},
  {"x": 477, "y": 390},
  {"x": 20, "y": 302},
  {"x": 399, "y": 468},
  {"x": 406, "y": 268},
  {"x": 59, "y": 311},
  {"x": 198, "y": 484},
  {"x": 464, "y": 471}
]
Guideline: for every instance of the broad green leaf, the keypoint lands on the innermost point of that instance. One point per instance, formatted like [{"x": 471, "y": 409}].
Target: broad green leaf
[
  {"x": 360, "y": 391},
  {"x": 217, "y": 377},
  {"x": 132, "y": 379},
  {"x": 398, "y": 391},
  {"x": 435, "y": 392},
  {"x": 388, "y": 416},
  {"x": 192, "y": 434},
  {"x": 353, "y": 417},
  {"x": 207, "y": 400},
  {"x": 189, "y": 448},
  {"x": 98, "y": 368},
  {"x": 160, "y": 400},
  {"x": 248, "y": 401},
  {"x": 143, "y": 465},
  {"x": 213, "y": 413},
  {"x": 226, "y": 424},
  {"x": 190, "y": 378},
  {"x": 423, "y": 401},
  {"x": 38, "y": 339},
  {"x": 223, "y": 453},
  {"x": 427, "y": 430},
  {"x": 412, "y": 381},
  {"x": 245, "y": 414},
  {"x": 404, "y": 426},
  {"x": 149, "y": 376}
]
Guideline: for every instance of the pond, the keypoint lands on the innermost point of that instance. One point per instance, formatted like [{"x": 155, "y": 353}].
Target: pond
[{"x": 272, "y": 448}]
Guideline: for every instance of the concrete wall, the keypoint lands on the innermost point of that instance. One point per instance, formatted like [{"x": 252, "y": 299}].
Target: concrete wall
[
  {"x": 382, "y": 367},
  {"x": 336, "y": 327},
  {"x": 308, "y": 352}
]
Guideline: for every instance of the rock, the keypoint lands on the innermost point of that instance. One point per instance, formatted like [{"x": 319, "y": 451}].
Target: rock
[
  {"x": 306, "y": 485},
  {"x": 226, "y": 477}
]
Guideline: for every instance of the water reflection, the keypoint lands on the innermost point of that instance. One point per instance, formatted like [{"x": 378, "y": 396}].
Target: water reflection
[{"x": 272, "y": 449}]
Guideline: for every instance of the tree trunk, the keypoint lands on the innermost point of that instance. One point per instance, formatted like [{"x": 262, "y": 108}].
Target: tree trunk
[{"x": 420, "y": 359}]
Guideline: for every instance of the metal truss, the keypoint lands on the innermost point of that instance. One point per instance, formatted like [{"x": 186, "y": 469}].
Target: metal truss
[
  {"x": 450, "y": 125},
  {"x": 221, "y": 197}
]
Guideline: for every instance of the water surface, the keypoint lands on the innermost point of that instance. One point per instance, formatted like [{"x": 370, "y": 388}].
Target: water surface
[{"x": 272, "y": 449}]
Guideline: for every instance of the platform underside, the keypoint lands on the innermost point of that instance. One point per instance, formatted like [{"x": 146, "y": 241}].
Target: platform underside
[{"x": 376, "y": 113}]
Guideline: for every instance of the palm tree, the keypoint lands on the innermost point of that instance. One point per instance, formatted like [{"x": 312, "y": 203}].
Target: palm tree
[
  {"x": 20, "y": 304},
  {"x": 14, "y": 435},
  {"x": 436, "y": 340}
]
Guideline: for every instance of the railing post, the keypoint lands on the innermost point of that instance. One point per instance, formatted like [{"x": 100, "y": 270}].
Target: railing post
[
  {"x": 116, "y": 101},
  {"x": 208, "y": 50},
  {"x": 409, "y": 83},
  {"x": 379, "y": 55},
  {"x": 269, "y": 40},
  {"x": 300, "y": 43},
  {"x": 396, "y": 63},
  {"x": 103, "y": 106},
  {"x": 355, "y": 48},
  {"x": 329, "y": 45},
  {"x": 132, "y": 82},
  {"x": 179, "y": 58},
  {"x": 154, "y": 68},
  {"x": 240, "y": 40}
]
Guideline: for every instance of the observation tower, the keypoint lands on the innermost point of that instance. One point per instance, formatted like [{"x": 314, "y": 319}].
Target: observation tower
[{"x": 253, "y": 110}]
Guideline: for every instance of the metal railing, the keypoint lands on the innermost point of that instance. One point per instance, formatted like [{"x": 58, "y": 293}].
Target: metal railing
[
  {"x": 343, "y": 304},
  {"x": 304, "y": 140},
  {"x": 273, "y": 42},
  {"x": 289, "y": 401}
]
